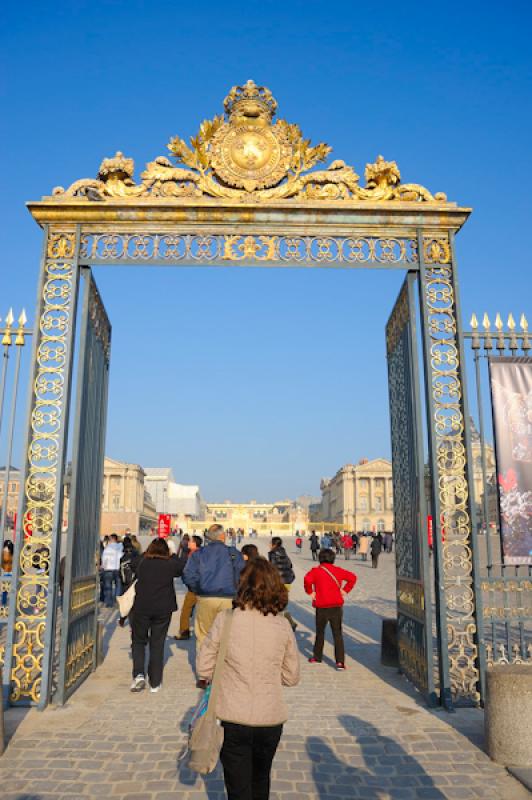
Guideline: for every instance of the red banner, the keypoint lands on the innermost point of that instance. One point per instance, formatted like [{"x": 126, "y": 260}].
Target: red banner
[{"x": 164, "y": 526}]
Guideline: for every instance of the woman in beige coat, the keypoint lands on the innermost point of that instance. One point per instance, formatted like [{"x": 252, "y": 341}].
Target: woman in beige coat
[
  {"x": 261, "y": 658},
  {"x": 363, "y": 547}
]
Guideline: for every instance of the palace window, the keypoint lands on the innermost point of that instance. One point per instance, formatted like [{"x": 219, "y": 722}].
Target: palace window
[
  {"x": 381, "y": 526},
  {"x": 363, "y": 503},
  {"x": 366, "y": 526},
  {"x": 378, "y": 504},
  {"x": 116, "y": 502}
]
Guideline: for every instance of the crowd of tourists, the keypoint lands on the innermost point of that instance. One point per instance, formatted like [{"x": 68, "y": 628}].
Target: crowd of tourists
[
  {"x": 349, "y": 544},
  {"x": 245, "y": 642}
]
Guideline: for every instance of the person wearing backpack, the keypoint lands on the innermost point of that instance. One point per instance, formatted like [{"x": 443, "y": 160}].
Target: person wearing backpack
[
  {"x": 328, "y": 585},
  {"x": 279, "y": 558}
]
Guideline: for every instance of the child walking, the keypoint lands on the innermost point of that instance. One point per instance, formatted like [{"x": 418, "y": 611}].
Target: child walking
[{"x": 328, "y": 585}]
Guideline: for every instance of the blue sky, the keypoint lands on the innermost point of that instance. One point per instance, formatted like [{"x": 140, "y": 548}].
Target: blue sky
[{"x": 256, "y": 383}]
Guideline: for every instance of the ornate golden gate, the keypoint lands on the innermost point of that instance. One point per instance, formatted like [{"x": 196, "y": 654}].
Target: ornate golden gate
[{"x": 245, "y": 192}]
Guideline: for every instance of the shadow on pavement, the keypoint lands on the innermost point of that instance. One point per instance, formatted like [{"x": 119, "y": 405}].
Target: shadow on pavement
[
  {"x": 366, "y": 654},
  {"x": 329, "y": 773},
  {"x": 28, "y": 797},
  {"x": 213, "y": 783},
  {"x": 186, "y": 644}
]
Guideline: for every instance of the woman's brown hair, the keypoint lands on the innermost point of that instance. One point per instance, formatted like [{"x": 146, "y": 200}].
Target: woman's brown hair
[
  {"x": 261, "y": 588},
  {"x": 158, "y": 549}
]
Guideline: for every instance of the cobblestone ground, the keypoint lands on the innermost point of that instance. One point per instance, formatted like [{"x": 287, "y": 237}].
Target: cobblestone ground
[{"x": 359, "y": 734}]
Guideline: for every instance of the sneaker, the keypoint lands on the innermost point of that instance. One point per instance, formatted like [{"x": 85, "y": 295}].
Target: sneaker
[
  {"x": 340, "y": 666},
  {"x": 154, "y": 689},
  {"x": 139, "y": 683},
  {"x": 313, "y": 660},
  {"x": 182, "y": 635},
  {"x": 201, "y": 683}
]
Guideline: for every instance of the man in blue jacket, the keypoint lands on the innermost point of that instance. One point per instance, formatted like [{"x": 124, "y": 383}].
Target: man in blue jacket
[{"x": 212, "y": 573}]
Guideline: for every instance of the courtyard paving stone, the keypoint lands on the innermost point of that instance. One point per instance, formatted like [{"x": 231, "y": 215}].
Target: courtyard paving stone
[{"x": 365, "y": 733}]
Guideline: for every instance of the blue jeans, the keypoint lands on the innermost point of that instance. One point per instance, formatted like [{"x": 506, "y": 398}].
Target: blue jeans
[{"x": 112, "y": 586}]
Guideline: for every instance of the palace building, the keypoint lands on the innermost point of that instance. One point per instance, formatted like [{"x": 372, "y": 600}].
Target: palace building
[
  {"x": 126, "y": 505},
  {"x": 358, "y": 498},
  {"x": 286, "y": 516},
  {"x": 183, "y": 502}
]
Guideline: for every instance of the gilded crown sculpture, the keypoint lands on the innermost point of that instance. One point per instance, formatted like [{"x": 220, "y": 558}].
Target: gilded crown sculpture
[{"x": 244, "y": 156}]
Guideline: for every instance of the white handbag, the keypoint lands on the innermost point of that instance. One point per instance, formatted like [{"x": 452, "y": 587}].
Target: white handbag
[{"x": 125, "y": 601}]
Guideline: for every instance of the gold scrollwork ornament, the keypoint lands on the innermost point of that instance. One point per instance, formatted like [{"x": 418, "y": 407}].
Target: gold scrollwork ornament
[{"x": 243, "y": 155}]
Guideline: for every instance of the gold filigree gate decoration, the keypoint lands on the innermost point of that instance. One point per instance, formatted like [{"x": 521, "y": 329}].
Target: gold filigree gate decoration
[
  {"x": 34, "y": 596},
  {"x": 246, "y": 191},
  {"x": 449, "y": 465},
  {"x": 189, "y": 249}
]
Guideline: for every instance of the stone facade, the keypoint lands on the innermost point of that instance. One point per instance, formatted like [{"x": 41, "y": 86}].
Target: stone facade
[
  {"x": 126, "y": 505},
  {"x": 285, "y": 517},
  {"x": 359, "y": 497},
  {"x": 182, "y": 501}
]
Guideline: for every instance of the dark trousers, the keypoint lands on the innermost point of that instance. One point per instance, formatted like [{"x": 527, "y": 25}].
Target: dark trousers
[
  {"x": 148, "y": 630},
  {"x": 314, "y": 555},
  {"x": 334, "y": 616},
  {"x": 246, "y": 757},
  {"x": 375, "y": 560},
  {"x": 112, "y": 586}
]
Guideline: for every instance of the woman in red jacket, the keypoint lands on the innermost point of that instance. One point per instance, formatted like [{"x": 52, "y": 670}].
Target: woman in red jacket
[{"x": 328, "y": 585}]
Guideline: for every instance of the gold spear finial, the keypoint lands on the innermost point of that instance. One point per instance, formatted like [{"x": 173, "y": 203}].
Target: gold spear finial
[
  {"x": 6, "y": 339},
  {"x": 486, "y": 322},
  {"x": 498, "y": 322},
  {"x": 474, "y": 321},
  {"x": 20, "y": 341},
  {"x": 511, "y": 322},
  {"x": 523, "y": 323}
]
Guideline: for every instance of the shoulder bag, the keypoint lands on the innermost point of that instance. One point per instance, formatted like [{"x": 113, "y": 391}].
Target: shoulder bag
[
  {"x": 207, "y": 736},
  {"x": 125, "y": 601}
]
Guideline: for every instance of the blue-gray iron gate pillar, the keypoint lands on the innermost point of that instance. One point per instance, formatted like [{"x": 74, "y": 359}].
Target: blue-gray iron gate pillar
[
  {"x": 458, "y": 603},
  {"x": 32, "y": 614}
]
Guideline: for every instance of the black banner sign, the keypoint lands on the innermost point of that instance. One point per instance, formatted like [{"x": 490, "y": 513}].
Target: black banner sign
[{"x": 511, "y": 394}]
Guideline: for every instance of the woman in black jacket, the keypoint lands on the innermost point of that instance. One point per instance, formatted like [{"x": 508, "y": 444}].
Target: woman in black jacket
[
  {"x": 280, "y": 559},
  {"x": 155, "y": 602}
]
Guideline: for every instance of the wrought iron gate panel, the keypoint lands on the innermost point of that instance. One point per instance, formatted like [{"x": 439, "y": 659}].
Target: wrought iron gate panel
[
  {"x": 414, "y": 608},
  {"x": 505, "y": 636},
  {"x": 32, "y": 613},
  {"x": 80, "y": 597},
  {"x": 458, "y": 605}
]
